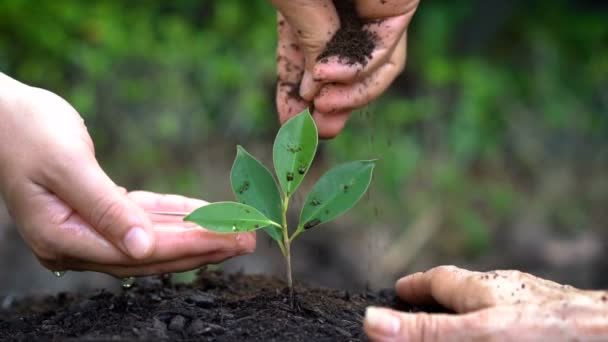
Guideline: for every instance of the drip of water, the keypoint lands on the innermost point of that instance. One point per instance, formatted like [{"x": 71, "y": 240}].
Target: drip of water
[
  {"x": 59, "y": 274},
  {"x": 127, "y": 282}
]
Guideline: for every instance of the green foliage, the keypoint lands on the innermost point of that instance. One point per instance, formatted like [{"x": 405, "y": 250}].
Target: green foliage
[
  {"x": 254, "y": 185},
  {"x": 229, "y": 217},
  {"x": 293, "y": 151},
  {"x": 336, "y": 191}
]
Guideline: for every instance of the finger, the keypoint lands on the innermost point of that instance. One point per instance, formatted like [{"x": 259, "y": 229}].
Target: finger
[
  {"x": 165, "y": 202},
  {"x": 388, "y": 34},
  {"x": 174, "y": 242},
  {"x": 385, "y": 8},
  {"x": 339, "y": 97},
  {"x": 445, "y": 285},
  {"x": 383, "y": 325},
  {"x": 331, "y": 124},
  {"x": 314, "y": 23},
  {"x": 121, "y": 271},
  {"x": 79, "y": 181},
  {"x": 466, "y": 291},
  {"x": 153, "y": 202},
  {"x": 501, "y": 323},
  {"x": 178, "y": 242},
  {"x": 290, "y": 68}
]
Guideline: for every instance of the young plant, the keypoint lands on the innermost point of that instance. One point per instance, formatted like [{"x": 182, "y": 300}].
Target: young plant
[{"x": 262, "y": 206}]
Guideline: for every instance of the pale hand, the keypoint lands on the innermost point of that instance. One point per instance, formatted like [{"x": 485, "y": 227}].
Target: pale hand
[
  {"x": 491, "y": 306},
  {"x": 72, "y": 215}
]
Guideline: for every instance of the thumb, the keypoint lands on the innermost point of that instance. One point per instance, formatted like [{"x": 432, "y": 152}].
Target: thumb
[
  {"x": 383, "y": 325},
  {"x": 91, "y": 193},
  {"x": 314, "y": 23}
]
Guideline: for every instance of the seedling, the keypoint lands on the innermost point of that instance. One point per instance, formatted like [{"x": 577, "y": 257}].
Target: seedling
[{"x": 262, "y": 206}]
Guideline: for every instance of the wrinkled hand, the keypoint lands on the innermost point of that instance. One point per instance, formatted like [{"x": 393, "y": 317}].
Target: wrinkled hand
[
  {"x": 334, "y": 87},
  {"x": 72, "y": 215},
  {"x": 491, "y": 306}
]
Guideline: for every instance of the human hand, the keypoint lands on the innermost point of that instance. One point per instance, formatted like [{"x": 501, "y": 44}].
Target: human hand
[
  {"x": 336, "y": 86},
  {"x": 491, "y": 306},
  {"x": 72, "y": 215}
]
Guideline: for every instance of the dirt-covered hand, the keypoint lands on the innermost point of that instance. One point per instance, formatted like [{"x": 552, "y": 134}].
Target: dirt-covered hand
[
  {"x": 68, "y": 210},
  {"x": 491, "y": 306},
  {"x": 310, "y": 74}
]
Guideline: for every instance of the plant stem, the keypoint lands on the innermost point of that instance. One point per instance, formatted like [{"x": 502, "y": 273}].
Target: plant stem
[
  {"x": 287, "y": 243},
  {"x": 298, "y": 232}
]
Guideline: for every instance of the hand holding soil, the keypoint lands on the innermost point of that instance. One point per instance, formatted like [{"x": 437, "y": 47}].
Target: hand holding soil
[
  {"x": 494, "y": 306},
  {"x": 70, "y": 212},
  {"x": 337, "y": 56}
]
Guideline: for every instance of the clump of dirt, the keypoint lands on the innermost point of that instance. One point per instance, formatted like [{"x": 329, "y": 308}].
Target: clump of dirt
[
  {"x": 352, "y": 43},
  {"x": 217, "y": 307}
]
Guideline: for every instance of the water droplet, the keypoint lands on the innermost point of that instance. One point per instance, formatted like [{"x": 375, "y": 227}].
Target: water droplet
[
  {"x": 315, "y": 202},
  {"x": 59, "y": 274},
  {"x": 345, "y": 188},
  {"x": 127, "y": 282},
  {"x": 302, "y": 169},
  {"x": 234, "y": 228},
  {"x": 289, "y": 176}
]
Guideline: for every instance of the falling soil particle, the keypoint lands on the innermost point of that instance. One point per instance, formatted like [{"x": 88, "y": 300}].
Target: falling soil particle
[
  {"x": 352, "y": 43},
  {"x": 217, "y": 307}
]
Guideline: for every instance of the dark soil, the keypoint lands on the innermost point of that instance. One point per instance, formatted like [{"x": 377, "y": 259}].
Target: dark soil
[
  {"x": 352, "y": 43},
  {"x": 216, "y": 307}
]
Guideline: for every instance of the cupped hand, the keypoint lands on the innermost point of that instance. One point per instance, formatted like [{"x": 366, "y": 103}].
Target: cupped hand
[
  {"x": 69, "y": 212},
  {"x": 491, "y": 306},
  {"x": 334, "y": 86}
]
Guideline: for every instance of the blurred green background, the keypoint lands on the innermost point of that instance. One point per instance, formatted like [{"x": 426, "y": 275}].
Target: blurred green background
[{"x": 493, "y": 144}]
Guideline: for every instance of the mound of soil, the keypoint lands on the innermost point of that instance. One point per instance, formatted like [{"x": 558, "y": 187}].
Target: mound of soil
[
  {"x": 352, "y": 43},
  {"x": 217, "y": 307}
]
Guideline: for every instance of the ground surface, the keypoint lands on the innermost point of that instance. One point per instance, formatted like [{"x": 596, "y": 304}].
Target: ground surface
[{"x": 217, "y": 307}]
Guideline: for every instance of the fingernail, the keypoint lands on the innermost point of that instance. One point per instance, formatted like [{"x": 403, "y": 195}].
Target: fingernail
[
  {"x": 137, "y": 243},
  {"x": 243, "y": 241},
  {"x": 382, "y": 321},
  {"x": 307, "y": 86}
]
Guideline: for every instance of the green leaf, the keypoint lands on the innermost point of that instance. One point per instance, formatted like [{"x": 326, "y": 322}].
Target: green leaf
[
  {"x": 254, "y": 185},
  {"x": 229, "y": 217},
  {"x": 337, "y": 191},
  {"x": 293, "y": 151}
]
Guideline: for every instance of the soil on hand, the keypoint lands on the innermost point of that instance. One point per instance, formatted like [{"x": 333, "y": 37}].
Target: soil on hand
[
  {"x": 216, "y": 307},
  {"x": 352, "y": 43}
]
